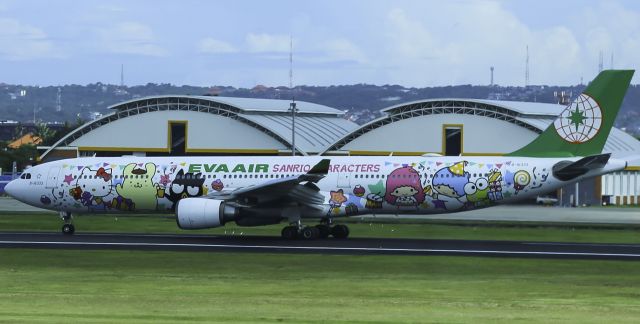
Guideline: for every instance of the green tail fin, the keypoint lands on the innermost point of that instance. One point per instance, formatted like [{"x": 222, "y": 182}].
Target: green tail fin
[{"x": 583, "y": 127}]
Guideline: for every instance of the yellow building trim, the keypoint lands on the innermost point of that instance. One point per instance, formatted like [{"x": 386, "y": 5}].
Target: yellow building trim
[
  {"x": 482, "y": 154},
  {"x": 444, "y": 137},
  {"x": 123, "y": 149},
  {"x": 243, "y": 151},
  {"x": 632, "y": 168},
  {"x": 384, "y": 153}
]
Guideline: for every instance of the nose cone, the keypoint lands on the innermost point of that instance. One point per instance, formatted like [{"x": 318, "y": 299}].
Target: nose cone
[{"x": 10, "y": 188}]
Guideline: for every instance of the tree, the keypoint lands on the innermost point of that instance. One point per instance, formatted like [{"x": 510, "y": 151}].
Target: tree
[
  {"x": 44, "y": 133},
  {"x": 18, "y": 131},
  {"x": 23, "y": 156}
]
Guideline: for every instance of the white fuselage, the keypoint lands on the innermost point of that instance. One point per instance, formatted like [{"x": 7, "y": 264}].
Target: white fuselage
[{"x": 353, "y": 185}]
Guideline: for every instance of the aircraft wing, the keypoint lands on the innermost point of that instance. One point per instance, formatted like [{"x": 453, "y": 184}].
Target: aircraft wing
[{"x": 300, "y": 189}]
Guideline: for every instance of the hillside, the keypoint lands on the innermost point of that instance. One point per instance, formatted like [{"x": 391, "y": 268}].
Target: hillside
[{"x": 361, "y": 101}]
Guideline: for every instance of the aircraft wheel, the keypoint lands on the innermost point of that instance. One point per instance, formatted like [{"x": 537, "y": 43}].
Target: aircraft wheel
[
  {"x": 310, "y": 233},
  {"x": 68, "y": 229},
  {"x": 324, "y": 230},
  {"x": 289, "y": 232},
  {"x": 340, "y": 231}
]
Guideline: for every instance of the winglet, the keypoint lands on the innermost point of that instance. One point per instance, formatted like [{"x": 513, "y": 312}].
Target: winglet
[
  {"x": 318, "y": 171},
  {"x": 321, "y": 168}
]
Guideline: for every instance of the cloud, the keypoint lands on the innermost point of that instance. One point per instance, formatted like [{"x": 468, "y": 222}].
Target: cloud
[
  {"x": 130, "y": 38},
  {"x": 19, "y": 41},
  {"x": 342, "y": 49},
  {"x": 260, "y": 43},
  {"x": 459, "y": 47},
  {"x": 214, "y": 46}
]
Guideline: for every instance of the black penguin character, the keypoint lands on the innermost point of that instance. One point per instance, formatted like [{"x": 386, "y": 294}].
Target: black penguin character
[{"x": 185, "y": 185}]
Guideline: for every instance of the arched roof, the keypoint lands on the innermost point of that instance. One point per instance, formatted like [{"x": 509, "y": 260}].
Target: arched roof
[
  {"x": 319, "y": 126},
  {"x": 484, "y": 108},
  {"x": 533, "y": 116}
]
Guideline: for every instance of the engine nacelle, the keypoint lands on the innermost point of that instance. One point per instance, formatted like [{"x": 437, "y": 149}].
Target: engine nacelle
[{"x": 199, "y": 213}]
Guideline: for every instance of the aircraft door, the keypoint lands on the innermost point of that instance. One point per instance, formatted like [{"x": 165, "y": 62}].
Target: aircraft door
[
  {"x": 53, "y": 177},
  {"x": 344, "y": 180}
]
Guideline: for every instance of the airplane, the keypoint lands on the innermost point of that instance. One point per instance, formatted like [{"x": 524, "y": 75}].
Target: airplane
[{"x": 208, "y": 192}]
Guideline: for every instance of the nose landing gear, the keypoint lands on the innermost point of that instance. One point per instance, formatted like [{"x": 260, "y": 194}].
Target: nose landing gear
[{"x": 67, "y": 227}]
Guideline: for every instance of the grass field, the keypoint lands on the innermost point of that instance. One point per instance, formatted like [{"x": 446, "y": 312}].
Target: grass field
[
  {"x": 63, "y": 286},
  {"x": 136, "y": 286},
  {"x": 359, "y": 228}
]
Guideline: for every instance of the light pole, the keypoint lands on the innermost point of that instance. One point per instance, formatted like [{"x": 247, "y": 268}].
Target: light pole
[{"x": 292, "y": 107}]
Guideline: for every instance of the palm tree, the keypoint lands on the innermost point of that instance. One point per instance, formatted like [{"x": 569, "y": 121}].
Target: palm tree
[{"x": 44, "y": 133}]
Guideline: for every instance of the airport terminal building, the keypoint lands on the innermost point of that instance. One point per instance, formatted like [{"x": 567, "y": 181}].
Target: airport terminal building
[{"x": 203, "y": 125}]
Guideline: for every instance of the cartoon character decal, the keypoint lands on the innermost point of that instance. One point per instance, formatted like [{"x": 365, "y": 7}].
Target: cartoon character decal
[
  {"x": 520, "y": 180},
  {"x": 217, "y": 185},
  {"x": 374, "y": 201},
  {"x": 138, "y": 186},
  {"x": 45, "y": 200},
  {"x": 351, "y": 209},
  {"x": 477, "y": 193},
  {"x": 404, "y": 188},
  {"x": 92, "y": 188},
  {"x": 185, "y": 185},
  {"x": 358, "y": 190},
  {"x": 495, "y": 185},
  {"x": 539, "y": 177},
  {"x": 448, "y": 186},
  {"x": 335, "y": 201}
]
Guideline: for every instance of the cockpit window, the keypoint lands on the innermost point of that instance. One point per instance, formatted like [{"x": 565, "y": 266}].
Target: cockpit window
[{"x": 25, "y": 176}]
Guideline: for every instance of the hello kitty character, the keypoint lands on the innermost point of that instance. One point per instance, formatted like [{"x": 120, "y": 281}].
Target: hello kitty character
[{"x": 93, "y": 186}]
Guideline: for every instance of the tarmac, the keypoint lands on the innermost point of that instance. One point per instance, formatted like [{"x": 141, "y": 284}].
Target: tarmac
[
  {"x": 509, "y": 213},
  {"x": 352, "y": 246}
]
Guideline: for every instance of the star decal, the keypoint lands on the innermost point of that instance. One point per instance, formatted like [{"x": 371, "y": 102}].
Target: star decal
[
  {"x": 68, "y": 179},
  {"x": 577, "y": 118}
]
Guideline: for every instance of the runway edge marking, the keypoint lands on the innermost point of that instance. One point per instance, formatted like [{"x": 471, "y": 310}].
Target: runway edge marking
[{"x": 327, "y": 248}]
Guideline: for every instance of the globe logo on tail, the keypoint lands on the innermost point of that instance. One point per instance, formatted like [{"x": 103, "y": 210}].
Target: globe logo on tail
[{"x": 580, "y": 121}]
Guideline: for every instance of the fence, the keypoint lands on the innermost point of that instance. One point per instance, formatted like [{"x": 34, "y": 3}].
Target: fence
[{"x": 4, "y": 179}]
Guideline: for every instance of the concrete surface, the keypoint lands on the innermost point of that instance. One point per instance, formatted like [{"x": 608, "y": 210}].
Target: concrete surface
[{"x": 609, "y": 215}]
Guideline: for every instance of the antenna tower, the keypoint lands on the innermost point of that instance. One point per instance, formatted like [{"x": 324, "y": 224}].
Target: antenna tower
[
  {"x": 292, "y": 105},
  {"x": 600, "y": 64},
  {"x": 121, "y": 75},
  {"x": 611, "y": 65},
  {"x": 59, "y": 100},
  {"x": 526, "y": 70},
  {"x": 491, "y": 68}
]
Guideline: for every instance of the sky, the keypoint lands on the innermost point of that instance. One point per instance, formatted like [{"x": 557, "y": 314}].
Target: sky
[{"x": 245, "y": 43}]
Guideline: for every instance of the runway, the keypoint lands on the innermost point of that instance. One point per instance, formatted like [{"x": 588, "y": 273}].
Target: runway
[{"x": 353, "y": 246}]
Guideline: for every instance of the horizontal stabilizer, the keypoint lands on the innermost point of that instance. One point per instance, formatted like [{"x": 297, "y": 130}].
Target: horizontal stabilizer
[{"x": 567, "y": 170}]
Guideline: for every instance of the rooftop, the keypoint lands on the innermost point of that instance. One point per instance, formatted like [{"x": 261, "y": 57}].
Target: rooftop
[{"x": 247, "y": 105}]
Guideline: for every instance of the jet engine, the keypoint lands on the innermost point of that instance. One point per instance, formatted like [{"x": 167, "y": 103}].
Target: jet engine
[{"x": 199, "y": 213}]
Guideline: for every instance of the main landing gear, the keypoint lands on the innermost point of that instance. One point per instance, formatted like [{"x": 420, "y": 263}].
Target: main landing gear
[
  {"x": 292, "y": 232},
  {"x": 67, "y": 227}
]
